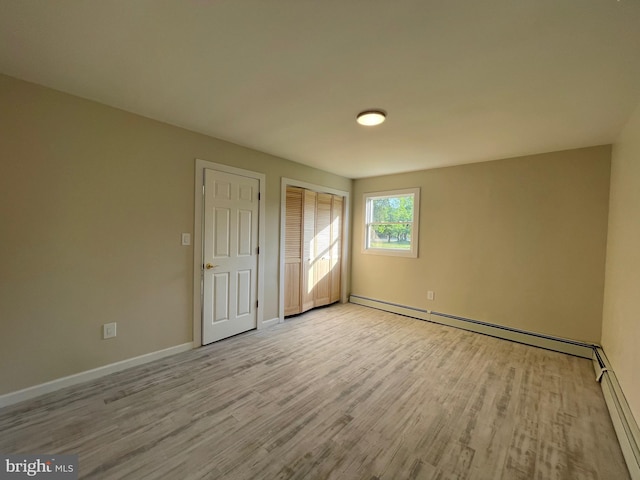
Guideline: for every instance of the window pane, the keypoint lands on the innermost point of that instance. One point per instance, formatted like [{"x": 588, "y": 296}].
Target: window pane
[
  {"x": 389, "y": 236},
  {"x": 391, "y": 222},
  {"x": 392, "y": 209}
]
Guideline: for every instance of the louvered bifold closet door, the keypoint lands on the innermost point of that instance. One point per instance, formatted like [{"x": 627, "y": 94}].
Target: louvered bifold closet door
[
  {"x": 313, "y": 249},
  {"x": 308, "y": 250},
  {"x": 336, "y": 247},
  {"x": 322, "y": 261},
  {"x": 293, "y": 252}
]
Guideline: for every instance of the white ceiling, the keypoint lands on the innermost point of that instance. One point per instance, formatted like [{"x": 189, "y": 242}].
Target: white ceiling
[{"x": 462, "y": 81}]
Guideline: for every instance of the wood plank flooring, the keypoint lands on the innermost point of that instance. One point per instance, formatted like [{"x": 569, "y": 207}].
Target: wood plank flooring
[{"x": 345, "y": 392}]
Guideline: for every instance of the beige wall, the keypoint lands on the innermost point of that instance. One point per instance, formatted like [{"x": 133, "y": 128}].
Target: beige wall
[
  {"x": 621, "y": 319},
  {"x": 517, "y": 242},
  {"x": 92, "y": 204},
  {"x": 93, "y": 201}
]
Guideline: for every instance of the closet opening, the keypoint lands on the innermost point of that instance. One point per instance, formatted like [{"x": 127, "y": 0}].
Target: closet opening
[{"x": 314, "y": 239}]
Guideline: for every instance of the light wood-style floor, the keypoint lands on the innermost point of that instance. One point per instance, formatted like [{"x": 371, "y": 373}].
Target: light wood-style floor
[{"x": 345, "y": 392}]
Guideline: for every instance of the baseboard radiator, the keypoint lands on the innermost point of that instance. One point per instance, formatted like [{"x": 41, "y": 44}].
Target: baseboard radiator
[
  {"x": 624, "y": 423},
  {"x": 564, "y": 345}
]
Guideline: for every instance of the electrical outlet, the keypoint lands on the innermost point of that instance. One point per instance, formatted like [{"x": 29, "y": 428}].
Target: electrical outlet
[
  {"x": 108, "y": 330},
  {"x": 431, "y": 295}
]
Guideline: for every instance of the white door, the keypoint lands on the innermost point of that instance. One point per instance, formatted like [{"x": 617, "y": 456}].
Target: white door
[{"x": 230, "y": 255}]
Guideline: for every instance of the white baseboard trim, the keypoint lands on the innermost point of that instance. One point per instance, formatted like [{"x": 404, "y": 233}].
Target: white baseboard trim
[
  {"x": 270, "y": 323},
  {"x": 622, "y": 418},
  {"x": 557, "y": 344},
  {"x": 48, "y": 387}
]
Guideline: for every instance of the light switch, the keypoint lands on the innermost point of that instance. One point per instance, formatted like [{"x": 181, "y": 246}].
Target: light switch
[
  {"x": 186, "y": 239},
  {"x": 431, "y": 295}
]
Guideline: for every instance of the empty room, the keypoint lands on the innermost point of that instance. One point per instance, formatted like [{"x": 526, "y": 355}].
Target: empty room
[{"x": 311, "y": 240}]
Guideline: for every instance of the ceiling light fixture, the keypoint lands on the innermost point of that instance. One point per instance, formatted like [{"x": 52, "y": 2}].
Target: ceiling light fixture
[{"x": 370, "y": 118}]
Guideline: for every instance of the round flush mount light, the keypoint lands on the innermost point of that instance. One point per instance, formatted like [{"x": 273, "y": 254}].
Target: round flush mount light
[{"x": 370, "y": 118}]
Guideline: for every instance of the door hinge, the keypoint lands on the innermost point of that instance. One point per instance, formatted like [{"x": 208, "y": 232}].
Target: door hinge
[
  {"x": 259, "y": 195},
  {"x": 257, "y": 250},
  {"x": 257, "y": 303}
]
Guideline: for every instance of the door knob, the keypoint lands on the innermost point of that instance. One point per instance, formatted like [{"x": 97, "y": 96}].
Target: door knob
[{"x": 209, "y": 266}]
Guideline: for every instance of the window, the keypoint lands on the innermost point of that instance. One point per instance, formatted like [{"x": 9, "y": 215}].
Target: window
[{"x": 391, "y": 222}]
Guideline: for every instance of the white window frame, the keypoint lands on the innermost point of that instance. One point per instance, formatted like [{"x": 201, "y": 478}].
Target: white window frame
[{"x": 367, "y": 198}]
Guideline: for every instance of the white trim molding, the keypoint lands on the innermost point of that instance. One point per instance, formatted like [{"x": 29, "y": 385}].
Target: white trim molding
[
  {"x": 59, "y": 383},
  {"x": 622, "y": 418},
  {"x": 270, "y": 323},
  {"x": 344, "y": 266},
  {"x": 198, "y": 254}
]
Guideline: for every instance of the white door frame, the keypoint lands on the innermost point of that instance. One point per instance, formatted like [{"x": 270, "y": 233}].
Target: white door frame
[
  {"x": 198, "y": 243},
  {"x": 344, "y": 267}
]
